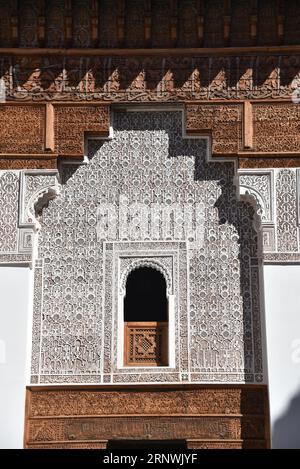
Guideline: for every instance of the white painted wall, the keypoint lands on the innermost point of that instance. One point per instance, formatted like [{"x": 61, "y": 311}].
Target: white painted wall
[
  {"x": 282, "y": 300},
  {"x": 14, "y": 314}
]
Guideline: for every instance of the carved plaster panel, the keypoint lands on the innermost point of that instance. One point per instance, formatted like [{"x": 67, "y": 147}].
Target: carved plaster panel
[
  {"x": 23, "y": 195},
  {"x": 276, "y": 193},
  {"x": 9, "y": 193},
  {"x": 170, "y": 258},
  {"x": 180, "y": 210},
  {"x": 286, "y": 196},
  {"x": 260, "y": 186}
]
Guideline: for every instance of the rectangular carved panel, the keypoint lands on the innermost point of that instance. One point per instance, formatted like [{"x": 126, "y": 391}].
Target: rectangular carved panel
[
  {"x": 34, "y": 135},
  {"x": 70, "y": 123},
  {"x": 22, "y": 128},
  {"x": 276, "y": 127},
  {"x": 207, "y": 417},
  {"x": 223, "y": 123},
  {"x": 133, "y": 427}
]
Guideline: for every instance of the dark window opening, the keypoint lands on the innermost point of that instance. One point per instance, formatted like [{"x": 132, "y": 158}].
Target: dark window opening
[
  {"x": 146, "y": 298},
  {"x": 146, "y": 319}
]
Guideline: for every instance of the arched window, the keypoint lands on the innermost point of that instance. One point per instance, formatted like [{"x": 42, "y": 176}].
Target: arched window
[{"x": 146, "y": 318}]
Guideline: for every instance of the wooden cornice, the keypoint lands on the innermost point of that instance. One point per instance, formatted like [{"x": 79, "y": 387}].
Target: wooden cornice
[{"x": 180, "y": 51}]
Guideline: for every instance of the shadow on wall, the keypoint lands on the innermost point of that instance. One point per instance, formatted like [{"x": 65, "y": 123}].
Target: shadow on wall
[{"x": 286, "y": 429}]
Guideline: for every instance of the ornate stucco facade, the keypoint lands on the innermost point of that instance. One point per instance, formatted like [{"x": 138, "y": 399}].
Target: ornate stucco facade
[{"x": 124, "y": 145}]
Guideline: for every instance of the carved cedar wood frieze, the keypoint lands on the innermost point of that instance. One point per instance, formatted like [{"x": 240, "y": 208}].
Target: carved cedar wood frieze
[
  {"x": 215, "y": 417},
  {"x": 148, "y": 78},
  {"x": 47, "y": 132},
  {"x": 44, "y": 131}
]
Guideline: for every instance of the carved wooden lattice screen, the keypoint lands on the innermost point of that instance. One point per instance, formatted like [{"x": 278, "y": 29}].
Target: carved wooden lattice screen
[{"x": 146, "y": 343}]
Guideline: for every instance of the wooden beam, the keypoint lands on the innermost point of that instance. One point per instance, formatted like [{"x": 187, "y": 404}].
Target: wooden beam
[
  {"x": 49, "y": 127},
  {"x": 187, "y": 51},
  {"x": 200, "y": 22},
  {"x": 95, "y": 23},
  {"x": 120, "y": 22},
  {"x": 148, "y": 22},
  {"x": 41, "y": 23},
  {"x": 174, "y": 22},
  {"x": 68, "y": 23},
  {"x": 226, "y": 22},
  {"x": 280, "y": 21},
  {"x": 253, "y": 22},
  {"x": 248, "y": 125},
  {"x": 14, "y": 29}
]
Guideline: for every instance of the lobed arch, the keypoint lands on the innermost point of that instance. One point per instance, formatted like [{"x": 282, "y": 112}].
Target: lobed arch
[{"x": 154, "y": 264}]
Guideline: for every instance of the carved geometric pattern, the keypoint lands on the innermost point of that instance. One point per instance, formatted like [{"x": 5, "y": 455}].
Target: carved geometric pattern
[
  {"x": 286, "y": 195},
  {"x": 91, "y": 79},
  {"x": 148, "y": 161},
  {"x": 162, "y": 264},
  {"x": 280, "y": 231},
  {"x": 22, "y": 129},
  {"x": 121, "y": 258},
  {"x": 32, "y": 163},
  {"x": 224, "y": 123},
  {"x": 21, "y": 201},
  {"x": 38, "y": 187},
  {"x": 285, "y": 130},
  {"x": 9, "y": 193},
  {"x": 146, "y": 343},
  {"x": 259, "y": 185},
  {"x": 71, "y": 122}
]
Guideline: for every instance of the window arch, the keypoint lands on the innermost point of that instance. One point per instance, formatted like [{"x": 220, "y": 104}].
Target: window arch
[{"x": 146, "y": 318}]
